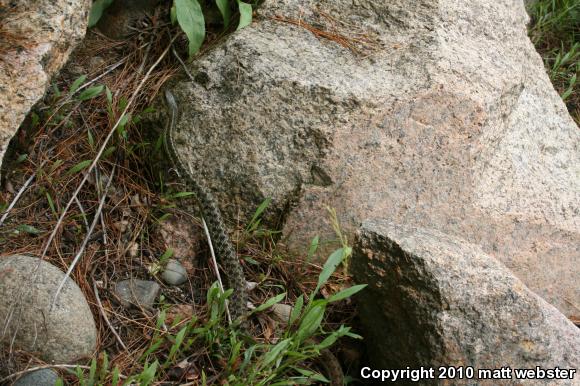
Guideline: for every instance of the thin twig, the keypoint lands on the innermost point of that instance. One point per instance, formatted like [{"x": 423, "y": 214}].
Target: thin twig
[
  {"x": 215, "y": 267},
  {"x": 83, "y": 213},
  {"x": 102, "y": 150},
  {"x": 182, "y": 64},
  {"x": 19, "y": 194},
  {"x": 102, "y": 310},
  {"x": 103, "y": 227},
  {"x": 86, "y": 240},
  {"x": 19, "y": 373}
]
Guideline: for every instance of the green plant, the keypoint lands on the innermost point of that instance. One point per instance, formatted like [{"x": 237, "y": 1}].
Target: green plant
[
  {"x": 189, "y": 15},
  {"x": 555, "y": 31},
  {"x": 245, "y": 361}
]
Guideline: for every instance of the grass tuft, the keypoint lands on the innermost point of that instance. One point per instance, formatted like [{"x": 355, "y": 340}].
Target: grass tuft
[{"x": 555, "y": 31}]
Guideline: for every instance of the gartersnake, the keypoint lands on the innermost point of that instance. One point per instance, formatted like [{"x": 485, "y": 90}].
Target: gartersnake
[
  {"x": 222, "y": 243},
  {"x": 224, "y": 248}
]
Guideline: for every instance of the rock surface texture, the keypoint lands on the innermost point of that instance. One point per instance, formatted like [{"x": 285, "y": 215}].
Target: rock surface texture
[
  {"x": 138, "y": 292},
  {"x": 435, "y": 300},
  {"x": 27, "y": 289},
  {"x": 445, "y": 119},
  {"x": 36, "y": 38}
]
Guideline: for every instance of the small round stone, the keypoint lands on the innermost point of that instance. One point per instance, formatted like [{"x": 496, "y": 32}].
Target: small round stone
[
  {"x": 282, "y": 312},
  {"x": 42, "y": 377},
  {"x": 138, "y": 292},
  {"x": 174, "y": 273}
]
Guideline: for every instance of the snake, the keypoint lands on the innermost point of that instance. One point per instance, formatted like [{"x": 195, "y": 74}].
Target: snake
[
  {"x": 211, "y": 213},
  {"x": 222, "y": 244}
]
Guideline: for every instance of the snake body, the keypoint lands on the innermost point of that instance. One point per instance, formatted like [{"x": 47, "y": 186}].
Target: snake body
[{"x": 222, "y": 244}]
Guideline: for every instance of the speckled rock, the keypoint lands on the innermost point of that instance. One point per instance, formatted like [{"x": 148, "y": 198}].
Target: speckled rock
[
  {"x": 62, "y": 334},
  {"x": 434, "y": 299},
  {"x": 138, "y": 292},
  {"x": 44, "y": 34},
  {"x": 174, "y": 273},
  {"x": 42, "y": 377},
  {"x": 447, "y": 120}
]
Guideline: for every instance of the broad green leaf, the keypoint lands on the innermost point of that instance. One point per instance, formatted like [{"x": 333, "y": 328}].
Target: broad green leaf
[
  {"x": 92, "y": 372},
  {"x": 173, "y": 15},
  {"x": 296, "y": 310},
  {"x": 166, "y": 255},
  {"x": 28, "y": 229},
  {"x": 161, "y": 319},
  {"x": 346, "y": 293},
  {"x": 328, "y": 341},
  {"x": 276, "y": 351},
  {"x": 21, "y": 158},
  {"x": 225, "y": 10},
  {"x": 91, "y": 92},
  {"x": 104, "y": 366},
  {"x": 269, "y": 303},
  {"x": 248, "y": 354},
  {"x": 313, "y": 248},
  {"x": 76, "y": 84},
  {"x": 108, "y": 151},
  {"x": 312, "y": 375},
  {"x": 191, "y": 21},
  {"x": 245, "y": 14},
  {"x": 91, "y": 139},
  {"x": 329, "y": 267},
  {"x": 80, "y": 166},
  {"x": 109, "y": 95},
  {"x": 310, "y": 322},
  {"x": 115, "y": 380},
  {"x": 50, "y": 203},
  {"x": 178, "y": 341},
  {"x": 254, "y": 222},
  {"x": 148, "y": 374},
  {"x": 181, "y": 195},
  {"x": 97, "y": 11}
]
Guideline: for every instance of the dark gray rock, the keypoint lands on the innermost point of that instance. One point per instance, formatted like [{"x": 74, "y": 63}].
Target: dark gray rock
[
  {"x": 61, "y": 334},
  {"x": 138, "y": 292},
  {"x": 174, "y": 273},
  {"x": 42, "y": 377},
  {"x": 447, "y": 121},
  {"x": 434, "y": 299}
]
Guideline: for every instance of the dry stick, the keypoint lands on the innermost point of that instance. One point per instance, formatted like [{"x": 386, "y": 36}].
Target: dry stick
[
  {"x": 86, "y": 240},
  {"x": 215, "y": 267},
  {"x": 5, "y": 379},
  {"x": 19, "y": 194},
  {"x": 182, "y": 64},
  {"x": 102, "y": 309},
  {"x": 83, "y": 213},
  {"x": 98, "y": 185},
  {"x": 102, "y": 149}
]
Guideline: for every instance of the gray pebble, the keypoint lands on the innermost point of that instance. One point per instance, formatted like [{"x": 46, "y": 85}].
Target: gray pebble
[
  {"x": 135, "y": 291},
  {"x": 282, "y": 312},
  {"x": 174, "y": 273},
  {"x": 42, "y": 377}
]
